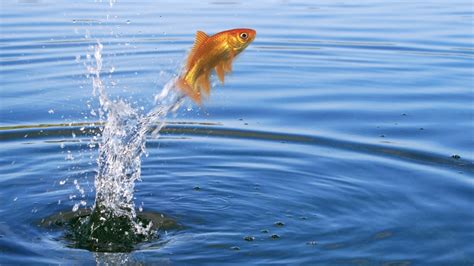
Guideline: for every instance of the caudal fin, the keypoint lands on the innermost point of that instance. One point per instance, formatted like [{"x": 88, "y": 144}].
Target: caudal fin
[{"x": 195, "y": 95}]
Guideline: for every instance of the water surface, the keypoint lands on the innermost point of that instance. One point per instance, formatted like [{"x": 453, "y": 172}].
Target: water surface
[{"x": 345, "y": 131}]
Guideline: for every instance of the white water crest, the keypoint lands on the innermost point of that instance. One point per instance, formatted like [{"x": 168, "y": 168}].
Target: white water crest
[{"x": 123, "y": 143}]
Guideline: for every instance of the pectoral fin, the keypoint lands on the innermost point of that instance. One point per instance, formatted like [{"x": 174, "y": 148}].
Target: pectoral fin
[
  {"x": 227, "y": 65},
  {"x": 220, "y": 72}
]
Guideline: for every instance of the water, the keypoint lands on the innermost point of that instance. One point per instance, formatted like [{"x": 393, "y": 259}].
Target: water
[{"x": 342, "y": 121}]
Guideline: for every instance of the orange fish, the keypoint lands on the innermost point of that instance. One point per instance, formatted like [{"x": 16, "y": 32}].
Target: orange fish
[{"x": 209, "y": 53}]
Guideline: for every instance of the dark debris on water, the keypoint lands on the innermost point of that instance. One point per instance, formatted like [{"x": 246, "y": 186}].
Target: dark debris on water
[
  {"x": 275, "y": 236},
  {"x": 249, "y": 238},
  {"x": 279, "y": 224}
]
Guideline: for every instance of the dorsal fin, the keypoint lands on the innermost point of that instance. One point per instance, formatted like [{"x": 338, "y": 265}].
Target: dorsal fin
[{"x": 201, "y": 37}]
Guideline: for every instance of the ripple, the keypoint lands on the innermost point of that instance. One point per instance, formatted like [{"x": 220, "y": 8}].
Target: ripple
[{"x": 16, "y": 133}]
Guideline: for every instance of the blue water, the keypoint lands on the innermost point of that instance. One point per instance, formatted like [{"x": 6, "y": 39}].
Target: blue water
[{"x": 352, "y": 124}]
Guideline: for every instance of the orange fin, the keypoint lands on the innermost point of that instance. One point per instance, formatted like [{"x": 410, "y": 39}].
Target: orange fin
[
  {"x": 204, "y": 82},
  {"x": 201, "y": 37},
  {"x": 227, "y": 65},
  {"x": 195, "y": 95},
  {"x": 220, "y": 72}
]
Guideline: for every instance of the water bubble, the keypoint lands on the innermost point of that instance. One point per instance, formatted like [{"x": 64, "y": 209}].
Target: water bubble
[
  {"x": 75, "y": 207},
  {"x": 51, "y": 111},
  {"x": 128, "y": 21},
  {"x": 62, "y": 182},
  {"x": 62, "y": 145},
  {"x": 15, "y": 199}
]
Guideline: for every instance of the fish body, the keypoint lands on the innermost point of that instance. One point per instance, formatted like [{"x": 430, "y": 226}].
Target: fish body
[{"x": 211, "y": 53}]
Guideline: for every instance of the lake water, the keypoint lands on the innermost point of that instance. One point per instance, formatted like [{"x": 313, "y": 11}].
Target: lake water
[{"x": 343, "y": 136}]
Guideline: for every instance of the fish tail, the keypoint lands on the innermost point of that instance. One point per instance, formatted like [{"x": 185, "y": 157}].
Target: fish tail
[{"x": 188, "y": 90}]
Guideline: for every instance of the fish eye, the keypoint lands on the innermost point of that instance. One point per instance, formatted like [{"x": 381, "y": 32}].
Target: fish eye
[{"x": 244, "y": 35}]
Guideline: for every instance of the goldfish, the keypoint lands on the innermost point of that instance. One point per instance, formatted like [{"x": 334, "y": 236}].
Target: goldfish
[{"x": 211, "y": 53}]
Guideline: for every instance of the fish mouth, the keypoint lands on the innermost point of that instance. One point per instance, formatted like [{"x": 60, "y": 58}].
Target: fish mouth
[{"x": 252, "y": 34}]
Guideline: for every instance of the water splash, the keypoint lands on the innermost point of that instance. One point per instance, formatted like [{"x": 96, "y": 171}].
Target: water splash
[{"x": 119, "y": 163}]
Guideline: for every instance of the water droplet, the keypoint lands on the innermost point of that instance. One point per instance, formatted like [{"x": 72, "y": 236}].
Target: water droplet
[
  {"x": 234, "y": 248},
  {"x": 51, "y": 111},
  {"x": 62, "y": 182},
  {"x": 128, "y": 21},
  {"x": 15, "y": 199},
  {"x": 265, "y": 231},
  {"x": 456, "y": 156},
  {"x": 69, "y": 157},
  {"x": 311, "y": 243},
  {"x": 75, "y": 207}
]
